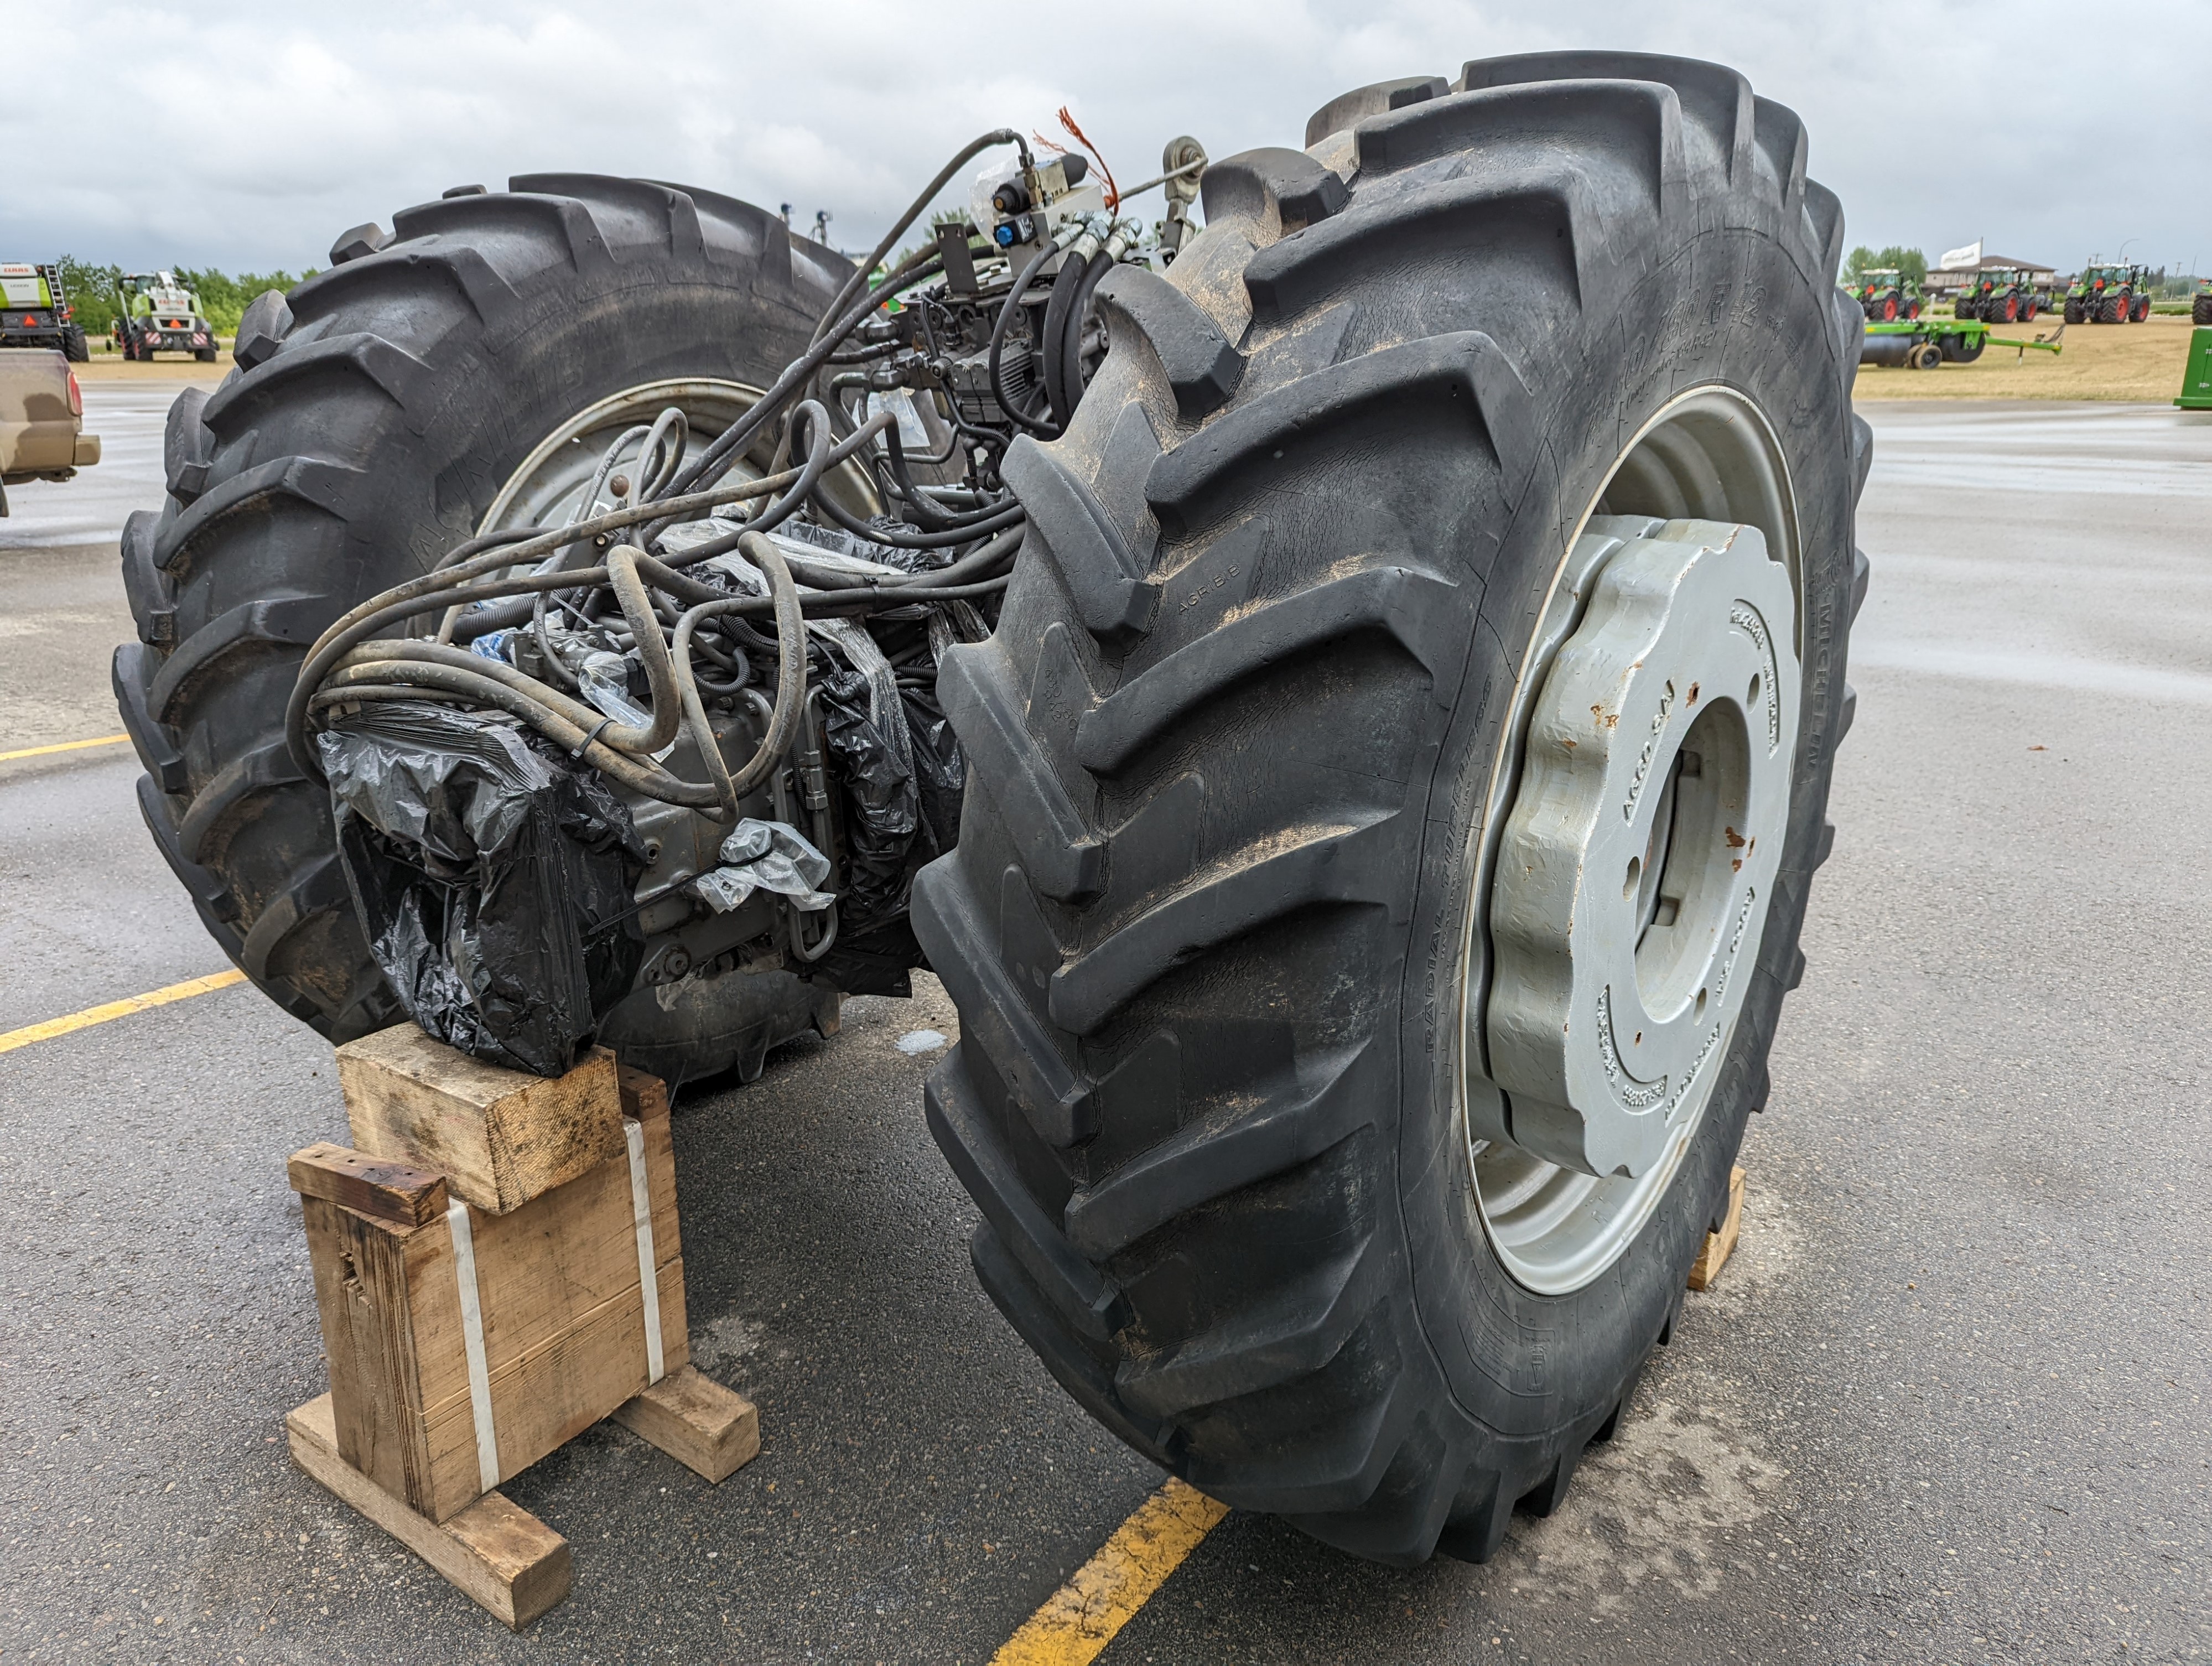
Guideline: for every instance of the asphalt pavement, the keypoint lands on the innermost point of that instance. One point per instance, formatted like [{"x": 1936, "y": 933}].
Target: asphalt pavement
[{"x": 1946, "y": 1404}]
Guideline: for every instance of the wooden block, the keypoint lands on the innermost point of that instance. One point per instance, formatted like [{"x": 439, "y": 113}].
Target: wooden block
[
  {"x": 495, "y": 1553},
  {"x": 1720, "y": 1245},
  {"x": 397, "y": 1192},
  {"x": 642, "y": 1096},
  {"x": 695, "y": 1420},
  {"x": 562, "y": 1322},
  {"x": 499, "y": 1137}
]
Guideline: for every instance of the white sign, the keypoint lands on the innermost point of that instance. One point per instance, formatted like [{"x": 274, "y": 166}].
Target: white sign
[{"x": 1961, "y": 259}]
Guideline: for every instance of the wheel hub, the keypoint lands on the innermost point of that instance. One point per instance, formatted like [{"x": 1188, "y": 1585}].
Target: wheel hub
[{"x": 1636, "y": 868}]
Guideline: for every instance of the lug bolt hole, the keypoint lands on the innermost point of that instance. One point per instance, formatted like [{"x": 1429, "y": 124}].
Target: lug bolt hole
[
  {"x": 1635, "y": 878},
  {"x": 1701, "y": 1004},
  {"x": 1751, "y": 695}
]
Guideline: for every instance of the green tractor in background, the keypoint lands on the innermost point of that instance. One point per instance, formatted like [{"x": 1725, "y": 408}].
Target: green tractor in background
[
  {"x": 1886, "y": 295},
  {"x": 38, "y": 311},
  {"x": 157, "y": 315},
  {"x": 2109, "y": 295},
  {"x": 2002, "y": 295}
]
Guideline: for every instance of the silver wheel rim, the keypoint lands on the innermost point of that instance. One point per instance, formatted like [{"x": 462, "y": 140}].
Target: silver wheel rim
[
  {"x": 544, "y": 489},
  {"x": 1708, "y": 456}
]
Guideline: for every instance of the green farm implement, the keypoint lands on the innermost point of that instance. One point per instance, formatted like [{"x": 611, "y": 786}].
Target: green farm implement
[
  {"x": 1925, "y": 343},
  {"x": 2196, "y": 377},
  {"x": 35, "y": 310}
]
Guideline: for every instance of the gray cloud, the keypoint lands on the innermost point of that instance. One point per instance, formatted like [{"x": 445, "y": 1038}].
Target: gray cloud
[{"x": 249, "y": 134}]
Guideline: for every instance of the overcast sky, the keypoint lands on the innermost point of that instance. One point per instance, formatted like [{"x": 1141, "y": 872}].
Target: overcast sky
[{"x": 246, "y": 136}]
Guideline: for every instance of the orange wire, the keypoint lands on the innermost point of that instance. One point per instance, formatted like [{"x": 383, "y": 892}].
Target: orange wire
[{"x": 1113, "y": 190}]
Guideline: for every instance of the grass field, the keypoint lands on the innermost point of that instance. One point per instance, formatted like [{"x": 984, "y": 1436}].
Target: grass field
[
  {"x": 2125, "y": 361},
  {"x": 2122, "y": 362}
]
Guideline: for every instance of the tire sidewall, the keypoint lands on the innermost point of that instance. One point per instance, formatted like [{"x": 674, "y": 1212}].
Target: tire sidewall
[
  {"x": 1733, "y": 302},
  {"x": 582, "y": 343}
]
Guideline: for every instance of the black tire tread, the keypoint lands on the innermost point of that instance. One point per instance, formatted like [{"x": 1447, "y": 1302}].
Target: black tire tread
[
  {"x": 1293, "y": 1397},
  {"x": 268, "y": 535}
]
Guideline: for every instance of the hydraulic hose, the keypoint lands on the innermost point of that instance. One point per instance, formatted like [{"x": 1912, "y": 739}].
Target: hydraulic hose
[{"x": 994, "y": 365}]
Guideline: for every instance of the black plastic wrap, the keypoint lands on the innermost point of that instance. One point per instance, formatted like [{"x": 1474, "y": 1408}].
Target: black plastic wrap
[
  {"x": 882, "y": 807},
  {"x": 897, "y": 818},
  {"x": 941, "y": 775},
  {"x": 492, "y": 875}
]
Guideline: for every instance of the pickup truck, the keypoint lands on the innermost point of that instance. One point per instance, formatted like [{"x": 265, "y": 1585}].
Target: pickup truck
[{"x": 42, "y": 433}]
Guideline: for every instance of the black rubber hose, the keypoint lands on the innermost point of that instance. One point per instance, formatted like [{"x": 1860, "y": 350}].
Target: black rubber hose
[
  {"x": 1071, "y": 337},
  {"x": 480, "y": 684},
  {"x": 636, "y": 604},
  {"x": 1060, "y": 313},
  {"x": 821, "y": 442},
  {"x": 973, "y": 148},
  {"x": 924, "y": 513},
  {"x": 999, "y": 341},
  {"x": 922, "y": 263},
  {"x": 999, "y": 519}
]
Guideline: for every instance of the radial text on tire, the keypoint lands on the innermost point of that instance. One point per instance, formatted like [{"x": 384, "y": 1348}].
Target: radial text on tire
[{"x": 1219, "y": 922}]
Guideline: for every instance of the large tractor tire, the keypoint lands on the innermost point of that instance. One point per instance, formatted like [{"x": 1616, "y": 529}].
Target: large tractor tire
[
  {"x": 2139, "y": 309},
  {"x": 2077, "y": 311},
  {"x": 1284, "y": 1157},
  {"x": 378, "y": 414},
  {"x": 2200, "y": 309},
  {"x": 2003, "y": 309},
  {"x": 2112, "y": 309}
]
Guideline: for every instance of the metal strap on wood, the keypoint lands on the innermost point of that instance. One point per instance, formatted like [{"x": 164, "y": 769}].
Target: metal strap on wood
[
  {"x": 472, "y": 1338},
  {"x": 649, "y": 1281}
]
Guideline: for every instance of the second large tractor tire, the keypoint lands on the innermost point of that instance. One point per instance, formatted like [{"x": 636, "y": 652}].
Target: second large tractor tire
[
  {"x": 378, "y": 414},
  {"x": 1364, "y": 500}
]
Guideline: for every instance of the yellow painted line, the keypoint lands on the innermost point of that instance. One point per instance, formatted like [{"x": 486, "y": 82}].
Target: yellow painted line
[
  {"x": 118, "y": 1009},
  {"x": 62, "y": 746},
  {"x": 1083, "y": 1616}
]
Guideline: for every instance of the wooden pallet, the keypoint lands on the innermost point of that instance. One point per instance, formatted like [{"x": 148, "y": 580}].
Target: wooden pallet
[
  {"x": 1720, "y": 1245},
  {"x": 478, "y": 1316}
]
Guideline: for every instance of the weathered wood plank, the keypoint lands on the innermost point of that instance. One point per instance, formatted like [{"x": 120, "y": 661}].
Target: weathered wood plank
[
  {"x": 499, "y": 1137},
  {"x": 397, "y": 1192},
  {"x": 369, "y": 1335},
  {"x": 496, "y": 1553}
]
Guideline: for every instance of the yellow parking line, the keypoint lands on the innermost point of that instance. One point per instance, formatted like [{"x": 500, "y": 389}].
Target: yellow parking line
[
  {"x": 1082, "y": 1617},
  {"x": 62, "y": 746},
  {"x": 117, "y": 1009}
]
